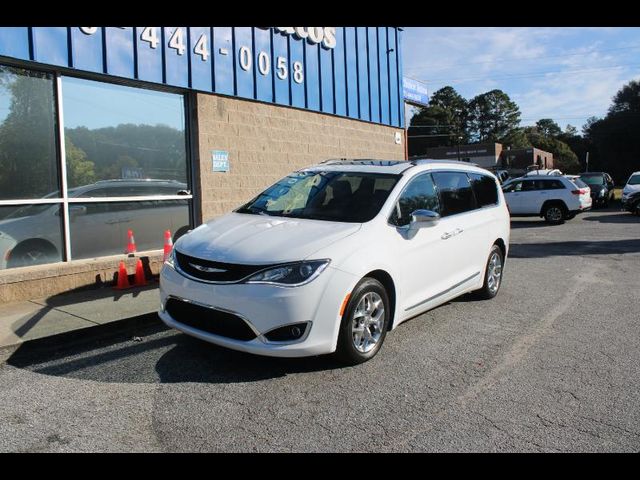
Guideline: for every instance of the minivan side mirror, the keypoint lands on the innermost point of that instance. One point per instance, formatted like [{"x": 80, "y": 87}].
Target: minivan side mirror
[{"x": 424, "y": 218}]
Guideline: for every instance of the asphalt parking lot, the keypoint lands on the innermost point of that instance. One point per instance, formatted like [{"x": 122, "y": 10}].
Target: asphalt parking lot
[{"x": 551, "y": 364}]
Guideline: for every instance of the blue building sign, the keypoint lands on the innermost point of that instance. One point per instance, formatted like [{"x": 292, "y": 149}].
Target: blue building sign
[
  {"x": 415, "y": 92},
  {"x": 346, "y": 71}
]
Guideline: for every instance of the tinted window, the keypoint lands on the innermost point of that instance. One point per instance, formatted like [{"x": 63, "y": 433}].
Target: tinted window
[
  {"x": 455, "y": 192},
  {"x": 593, "y": 179},
  {"x": 512, "y": 187},
  {"x": 334, "y": 196},
  {"x": 529, "y": 185},
  {"x": 550, "y": 184},
  {"x": 579, "y": 183},
  {"x": 420, "y": 194},
  {"x": 484, "y": 188}
]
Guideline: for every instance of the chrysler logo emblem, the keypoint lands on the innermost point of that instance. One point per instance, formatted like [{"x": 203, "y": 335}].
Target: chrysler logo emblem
[{"x": 207, "y": 269}]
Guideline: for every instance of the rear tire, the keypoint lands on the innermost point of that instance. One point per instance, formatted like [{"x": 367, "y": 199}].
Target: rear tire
[
  {"x": 554, "y": 213},
  {"x": 492, "y": 275},
  {"x": 364, "y": 323}
]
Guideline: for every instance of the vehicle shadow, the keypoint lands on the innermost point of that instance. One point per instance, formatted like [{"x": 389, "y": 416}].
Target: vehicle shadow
[
  {"x": 620, "y": 217},
  {"x": 517, "y": 223},
  {"x": 573, "y": 248},
  {"x": 155, "y": 354}
]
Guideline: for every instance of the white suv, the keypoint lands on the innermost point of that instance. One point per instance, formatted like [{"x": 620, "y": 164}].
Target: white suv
[
  {"x": 555, "y": 198},
  {"x": 333, "y": 256}
]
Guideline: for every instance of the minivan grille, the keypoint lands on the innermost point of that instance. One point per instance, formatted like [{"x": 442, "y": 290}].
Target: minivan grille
[
  {"x": 209, "y": 271},
  {"x": 209, "y": 320}
]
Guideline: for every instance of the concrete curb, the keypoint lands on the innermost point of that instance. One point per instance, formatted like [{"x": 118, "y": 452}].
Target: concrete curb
[{"x": 78, "y": 337}]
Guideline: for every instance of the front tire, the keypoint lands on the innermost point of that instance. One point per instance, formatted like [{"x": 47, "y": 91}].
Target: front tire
[
  {"x": 364, "y": 323},
  {"x": 492, "y": 274}
]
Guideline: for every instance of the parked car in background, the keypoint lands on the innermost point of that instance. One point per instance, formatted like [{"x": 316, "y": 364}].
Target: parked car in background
[
  {"x": 553, "y": 171},
  {"x": 601, "y": 185},
  {"x": 332, "y": 257},
  {"x": 554, "y": 198},
  {"x": 631, "y": 194},
  {"x": 586, "y": 202}
]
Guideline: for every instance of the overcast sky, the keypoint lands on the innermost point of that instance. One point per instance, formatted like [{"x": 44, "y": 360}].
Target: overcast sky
[{"x": 567, "y": 74}]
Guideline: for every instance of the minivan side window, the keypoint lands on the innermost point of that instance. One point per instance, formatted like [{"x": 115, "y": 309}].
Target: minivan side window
[
  {"x": 420, "y": 194},
  {"x": 485, "y": 189},
  {"x": 455, "y": 192}
]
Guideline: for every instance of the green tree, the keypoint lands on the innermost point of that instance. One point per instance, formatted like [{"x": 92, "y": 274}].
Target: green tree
[
  {"x": 563, "y": 157},
  {"x": 80, "y": 170},
  {"x": 492, "y": 116},
  {"x": 516, "y": 138},
  {"x": 614, "y": 143},
  {"x": 627, "y": 99},
  {"x": 444, "y": 120},
  {"x": 27, "y": 136},
  {"x": 548, "y": 127}
]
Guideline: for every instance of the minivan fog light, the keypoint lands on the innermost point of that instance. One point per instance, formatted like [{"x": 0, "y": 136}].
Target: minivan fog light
[
  {"x": 287, "y": 333},
  {"x": 291, "y": 275}
]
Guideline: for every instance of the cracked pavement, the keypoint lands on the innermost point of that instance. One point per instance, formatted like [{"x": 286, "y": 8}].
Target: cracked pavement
[{"x": 551, "y": 364}]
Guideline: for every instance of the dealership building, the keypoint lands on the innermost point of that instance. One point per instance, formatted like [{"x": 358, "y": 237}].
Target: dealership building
[{"x": 106, "y": 130}]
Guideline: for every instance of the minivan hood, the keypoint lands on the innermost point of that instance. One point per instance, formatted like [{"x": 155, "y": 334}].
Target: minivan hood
[{"x": 256, "y": 239}]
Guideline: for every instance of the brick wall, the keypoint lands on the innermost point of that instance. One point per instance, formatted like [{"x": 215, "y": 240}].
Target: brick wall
[{"x": 267, "y": 142}]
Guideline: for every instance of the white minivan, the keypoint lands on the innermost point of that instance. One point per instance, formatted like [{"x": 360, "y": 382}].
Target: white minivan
[{"x": 332, "y": 257}]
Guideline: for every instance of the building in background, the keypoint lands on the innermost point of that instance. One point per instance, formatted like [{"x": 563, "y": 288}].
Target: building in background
[
  {"x": 109, "y": 129},
  {"x": 494, "y": 156}
]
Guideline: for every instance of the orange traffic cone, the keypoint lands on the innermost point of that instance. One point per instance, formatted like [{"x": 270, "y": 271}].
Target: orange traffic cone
[
  {"x": 131, "y": 244},
  {"x": 168, "y": 245},
  {"x": 141, "y": 279},
  {"x": 123, "y": 277}
]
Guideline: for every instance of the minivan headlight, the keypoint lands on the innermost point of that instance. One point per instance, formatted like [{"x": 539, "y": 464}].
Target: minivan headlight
[
  {"x": 171, "y": 259},
  {"x": 291, "y": 275}
]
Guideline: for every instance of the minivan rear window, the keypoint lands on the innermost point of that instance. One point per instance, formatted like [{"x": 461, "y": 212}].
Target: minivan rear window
[
  {"x": 485, "y": 189},
  {"x": 456, "y": 195}
]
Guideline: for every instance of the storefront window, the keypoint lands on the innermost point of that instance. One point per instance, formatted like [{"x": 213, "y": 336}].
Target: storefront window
[
  {"x": 101, "y": 228},
  {"x": 30, "y": 235},
  {"x": 28, "y": 161},
  {"x": 113, "y": 132},
  {"x": 119, "y": 141}
]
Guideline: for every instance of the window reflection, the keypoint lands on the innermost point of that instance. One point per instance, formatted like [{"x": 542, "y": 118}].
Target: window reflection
[
  {"x": 30, "y": 235},
  {"x": 28, "y": 165},
  {"x": 113, "y": 132},
  {"x": 99, "y": 229}
]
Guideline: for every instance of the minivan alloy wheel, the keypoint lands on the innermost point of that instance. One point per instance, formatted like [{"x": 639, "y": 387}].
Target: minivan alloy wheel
[
  {"x": 494, "y": 274},
  {"x": 367, "y": 322}
]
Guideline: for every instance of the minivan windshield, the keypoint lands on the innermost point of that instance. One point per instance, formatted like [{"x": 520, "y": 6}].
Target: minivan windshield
[{"x": 353, "y": 197}]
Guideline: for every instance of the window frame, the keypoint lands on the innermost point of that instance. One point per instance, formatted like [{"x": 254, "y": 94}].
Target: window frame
[
  {"x": 406, "y": 186},
  {"x": 64, "y": 200}
]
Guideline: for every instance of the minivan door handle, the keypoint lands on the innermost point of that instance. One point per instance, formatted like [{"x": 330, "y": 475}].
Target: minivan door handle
[{"x": 453, "y": 233}]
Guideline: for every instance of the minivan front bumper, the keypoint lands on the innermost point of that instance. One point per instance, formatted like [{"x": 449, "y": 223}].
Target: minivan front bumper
[{"x": 263, "y": 308}]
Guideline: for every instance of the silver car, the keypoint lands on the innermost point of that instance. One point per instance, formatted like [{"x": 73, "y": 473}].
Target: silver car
[{"x": 30, "y": 235}]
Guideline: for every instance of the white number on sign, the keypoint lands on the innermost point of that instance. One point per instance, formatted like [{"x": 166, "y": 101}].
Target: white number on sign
[
  {"x": 298, "y": 76},
  {"x": 177, "y": 41},
  {"x": 202, "y": 47},
  {"x": 245, "y": 58},
  {"x": 264, "y": 64},
  {"x": 281, "y": 68},
  {"x": 88, "y": 30},
  {"x": 150, "y": 34}
]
